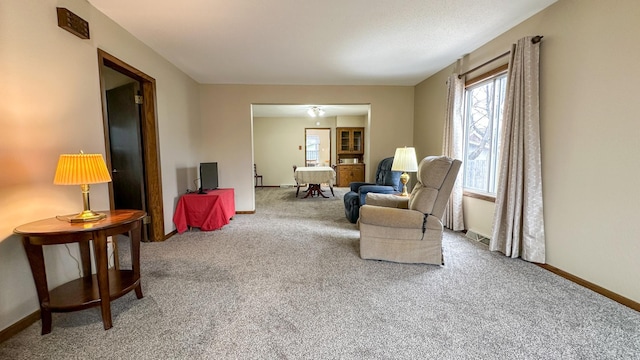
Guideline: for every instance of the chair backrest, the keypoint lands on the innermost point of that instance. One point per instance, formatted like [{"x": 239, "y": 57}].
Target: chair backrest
[
  {"x": 436, "y": 176},
  {"x": 384, "y": 175},
  {"x": 255, "y": 170}
]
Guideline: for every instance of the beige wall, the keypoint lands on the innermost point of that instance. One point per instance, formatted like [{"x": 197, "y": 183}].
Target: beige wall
[
  {"x": 351, "y": 121},
  {"x": 50, "y": 104},
  {"x": 279, "y": 144},
  {"x": 227, "y": 124},
  {"x": 589, "y": 139}
]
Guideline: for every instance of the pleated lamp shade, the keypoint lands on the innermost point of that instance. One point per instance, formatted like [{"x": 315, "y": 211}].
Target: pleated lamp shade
[
  {"x": 80, "y": 169},
  {"x": 405, "y": 160}
]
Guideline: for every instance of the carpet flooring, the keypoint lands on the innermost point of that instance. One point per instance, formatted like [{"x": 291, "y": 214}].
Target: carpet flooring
[{"x": 287, "y": 283}]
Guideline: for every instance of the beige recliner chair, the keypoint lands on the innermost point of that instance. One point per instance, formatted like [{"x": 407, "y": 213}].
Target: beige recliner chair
[{"x": 409, "y": 230}]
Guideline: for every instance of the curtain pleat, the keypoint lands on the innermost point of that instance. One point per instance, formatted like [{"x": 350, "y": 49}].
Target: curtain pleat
[
  {"x": 452, "y": 147},
  {"x": 518, "y": 223}
]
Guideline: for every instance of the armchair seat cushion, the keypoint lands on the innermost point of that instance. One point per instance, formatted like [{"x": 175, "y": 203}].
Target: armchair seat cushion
[
  {"x": 354, "y": 186},
  {"x": 388, "y": 200},
  {"x": 374, "y": 189}
]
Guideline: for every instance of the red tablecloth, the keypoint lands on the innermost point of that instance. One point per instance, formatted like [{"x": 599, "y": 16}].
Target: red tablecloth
[{"x": 209, "y": 211}]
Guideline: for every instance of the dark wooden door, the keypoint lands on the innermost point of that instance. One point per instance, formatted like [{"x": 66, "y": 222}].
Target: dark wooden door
[
  {"x": 113, "y": 74},
  {"x": 126, "y": 147}
]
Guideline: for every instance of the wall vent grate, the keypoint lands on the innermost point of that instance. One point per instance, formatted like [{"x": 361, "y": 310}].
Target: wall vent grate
[{"x": 477, "y": 237}]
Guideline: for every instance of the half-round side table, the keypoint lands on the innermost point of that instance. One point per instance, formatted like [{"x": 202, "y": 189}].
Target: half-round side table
[{"x": 91, "y": 289}]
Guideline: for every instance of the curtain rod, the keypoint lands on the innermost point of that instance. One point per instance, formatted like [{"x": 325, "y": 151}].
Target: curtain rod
[{"x": 534, "y": 40}]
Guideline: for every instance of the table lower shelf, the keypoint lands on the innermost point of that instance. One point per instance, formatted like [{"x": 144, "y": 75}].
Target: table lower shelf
[{"x": 83, "y": 293}]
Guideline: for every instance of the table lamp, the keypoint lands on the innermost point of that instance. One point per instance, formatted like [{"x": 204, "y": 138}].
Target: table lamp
[
  {"x": 405, "y": 160},
  {"x": 82, "y": 169}
]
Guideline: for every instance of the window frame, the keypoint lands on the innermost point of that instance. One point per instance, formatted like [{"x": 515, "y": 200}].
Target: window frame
[{"x": 491, "y": 74}]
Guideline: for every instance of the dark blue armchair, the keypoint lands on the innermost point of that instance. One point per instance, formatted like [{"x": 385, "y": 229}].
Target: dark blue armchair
[{"x": 387, "y": 182}]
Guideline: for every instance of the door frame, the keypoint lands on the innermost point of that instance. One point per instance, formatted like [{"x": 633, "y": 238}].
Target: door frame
[{"x": 149, "y": 132}]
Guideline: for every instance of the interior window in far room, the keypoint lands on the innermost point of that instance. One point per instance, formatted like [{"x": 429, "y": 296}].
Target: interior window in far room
[{"x": 484, "y": 100}]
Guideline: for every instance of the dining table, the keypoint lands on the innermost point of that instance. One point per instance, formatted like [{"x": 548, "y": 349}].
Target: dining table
[{"x": 314, "y": 176}]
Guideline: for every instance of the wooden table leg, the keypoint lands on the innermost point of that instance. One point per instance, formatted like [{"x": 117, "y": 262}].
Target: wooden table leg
[
  {"x": 321, "y": 192},
  {"x": 36, "y": 262},
  {"x": 85, "y": 257},
  {"x": 311, "y": 190},
  {"x": 315, "y": 189},
  {"x": 135, "y": 236},
  {"x": 100, "y": 251}
]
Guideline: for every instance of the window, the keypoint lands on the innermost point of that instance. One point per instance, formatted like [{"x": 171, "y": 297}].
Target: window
[
  {"x": 484, "y": 101},
  {"x": 313, "y": 150}
]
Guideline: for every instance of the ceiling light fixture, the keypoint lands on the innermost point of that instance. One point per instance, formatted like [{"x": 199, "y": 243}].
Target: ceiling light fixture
[{"x": 315, "y": 111}]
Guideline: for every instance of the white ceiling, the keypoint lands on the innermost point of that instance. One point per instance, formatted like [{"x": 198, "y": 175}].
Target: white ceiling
[
  {"x": 316, "y": 42},
  {"x": 283, "y": 110}
]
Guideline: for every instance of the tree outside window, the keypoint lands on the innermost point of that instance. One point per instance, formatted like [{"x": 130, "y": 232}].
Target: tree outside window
[{"x": 483, "y": 114}]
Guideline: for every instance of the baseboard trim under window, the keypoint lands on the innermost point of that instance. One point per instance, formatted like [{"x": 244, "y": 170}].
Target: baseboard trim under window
[
  {"x": 593, "y": 287},
  {"x": 470, "y": 234}
]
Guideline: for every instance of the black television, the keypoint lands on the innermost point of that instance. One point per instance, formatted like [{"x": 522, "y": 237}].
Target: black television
[{"x": 208, "y": 176}]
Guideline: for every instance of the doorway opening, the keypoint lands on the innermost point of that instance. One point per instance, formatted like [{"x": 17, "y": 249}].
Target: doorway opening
[
  {"x": 317, "y": 147},
  {"x": 131, "y": 141},
  {"x": 278, "y": 136}
]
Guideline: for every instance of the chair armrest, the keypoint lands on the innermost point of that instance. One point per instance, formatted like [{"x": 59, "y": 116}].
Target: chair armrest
[
  {"x": 387, "y": 200},
  {"x": 354, "y": 186},
  {"x": 382, "y": 189},
  {"x": 391, "y": 217},
  {"x": 373, "y": 188}
]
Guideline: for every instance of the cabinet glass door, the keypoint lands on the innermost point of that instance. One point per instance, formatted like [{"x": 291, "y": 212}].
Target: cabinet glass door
[
  {"x": 357, "y": 141},
  {"x": 344, "y": 140}
]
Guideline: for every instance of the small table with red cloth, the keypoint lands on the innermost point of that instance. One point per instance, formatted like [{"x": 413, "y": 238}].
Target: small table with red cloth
[{"x": 209, "y": 211}]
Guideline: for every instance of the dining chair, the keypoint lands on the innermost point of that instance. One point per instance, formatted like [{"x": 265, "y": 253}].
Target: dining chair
[
  {"x": 256, "y": 176},
  {"x": 294, "y": 177}
]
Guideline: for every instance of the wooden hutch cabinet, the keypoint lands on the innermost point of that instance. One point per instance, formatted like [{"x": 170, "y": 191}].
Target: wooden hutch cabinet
[
  {"x": 347, "y": 173},
  {"x": 350, "y": 153},
  {"x": 350, "y": 141}
]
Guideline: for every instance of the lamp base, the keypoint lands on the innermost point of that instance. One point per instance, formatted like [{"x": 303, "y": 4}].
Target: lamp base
[
  {"x": 83, "y": 217},
  {"x": 404, "y": 178}
]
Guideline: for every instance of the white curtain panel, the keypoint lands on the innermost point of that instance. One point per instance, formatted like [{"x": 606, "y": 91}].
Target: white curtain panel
[
  {"x": 518, "y": 223},
  {"x": 452, "y": 147}
]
